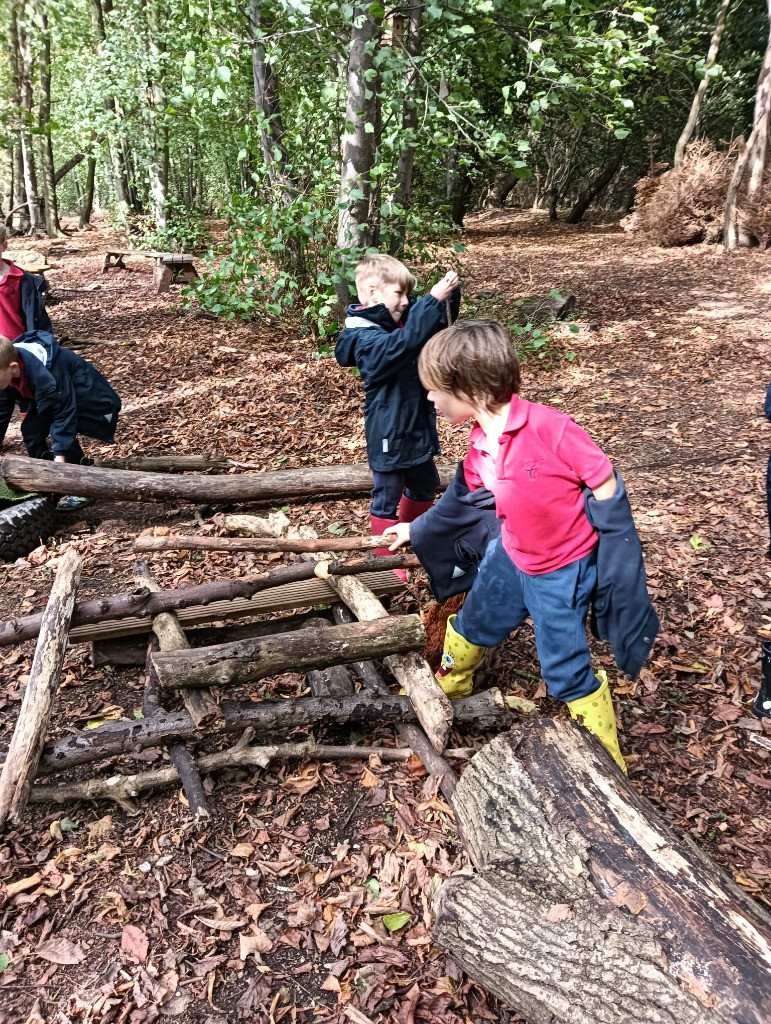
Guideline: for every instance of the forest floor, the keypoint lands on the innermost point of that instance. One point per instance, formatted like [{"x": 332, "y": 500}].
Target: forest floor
[{"x": 274, "y": 910}]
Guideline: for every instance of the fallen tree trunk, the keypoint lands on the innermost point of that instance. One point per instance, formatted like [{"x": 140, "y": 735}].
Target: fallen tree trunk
[
  {"x": 482, "y": 711},
  {"x": 432, "y": 707},
  {"x": 144, "y": 603},
  {"x": 249, "y": 660},
  {"x": 586, "y": 907},
  {"x": 334, "y": 681},
  {"x": 121, "y": 788},
  {"x": 29, "y": 735},
  {"x": 268, "y": 544},
  {"x": 124, "y": 485}
]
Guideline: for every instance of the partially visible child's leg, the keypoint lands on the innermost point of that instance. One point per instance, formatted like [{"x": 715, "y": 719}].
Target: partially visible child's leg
[
  {"x": 493, "y": 608},
  {"x": 34, "y": 433},
  {"x": 383, "y": 510},
  {"x": 559, "y": 603},
  {"x": 420, "y": 486}
]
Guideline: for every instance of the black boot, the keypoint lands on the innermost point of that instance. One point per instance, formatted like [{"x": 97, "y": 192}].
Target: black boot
[{"x": 762, "y": 705}]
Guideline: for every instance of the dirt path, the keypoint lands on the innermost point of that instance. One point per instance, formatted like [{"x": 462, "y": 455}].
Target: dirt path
[{"x": 671, "y": 383}]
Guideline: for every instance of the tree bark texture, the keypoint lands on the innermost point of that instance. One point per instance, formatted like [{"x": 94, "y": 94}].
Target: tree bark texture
[
  {"x": 334, "y": 681},
  {"x": 249, "y": 660},
  {"x": 181, "y": 543},
  {"x": 432, "y": 707},
  {"x": 29, "y": 735},
  {"x": 480, "y": 712},
  {"x": 596, "y": 187},
  {"x": 267, "y": 105},
  {"x": 758, "y": 143},
  {"x": 586, "y": 907},
  {"x": 358, "y": 143},
  {"x": 45, "y": 143},
  {"x": 144, "y": 603},
  {"x": 693, "y": 116},
  {"x": 118, "y": 485},
  {"x": 167, "y": 463},
  {"x": 409, "y": 140}
]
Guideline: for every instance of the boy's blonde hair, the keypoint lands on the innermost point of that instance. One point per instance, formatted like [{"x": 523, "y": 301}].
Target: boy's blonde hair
[
  {"x": 474, "y": 360},
  {"x": 8, "y": 353},
  {"x": 380, "y": 270}
]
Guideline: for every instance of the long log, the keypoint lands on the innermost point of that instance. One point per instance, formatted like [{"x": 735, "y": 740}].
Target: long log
[
  {"x": 143, "y": 603},
  {"x": 29, "y": 735},
  {"x": 432, "y": 707},
  {"x": 483, "y": 711},
  {"x": 190, "y": 543},
  {"x": 249, "y": 660},
  {"x": 334, "y": 681},
  {"x": 125, "y": 485},
  {"x": 167, "y": 463},
  {"x": 408, "y": 735},
  {"x": 587, "y": 908},
  {"x": 121, "y": 788}
]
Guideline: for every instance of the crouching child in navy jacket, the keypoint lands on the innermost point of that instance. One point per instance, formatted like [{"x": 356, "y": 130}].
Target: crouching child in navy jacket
[
  {"x": 539, "y": 464},
  {"x": 383, "y": 336},
  {"x": 67, "y": 396}
]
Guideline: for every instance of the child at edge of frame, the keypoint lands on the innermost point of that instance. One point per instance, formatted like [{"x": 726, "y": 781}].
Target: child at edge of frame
[
  {"x": 382, "y": 337},
  {"x": 565, "y": 520},
  {"x": 64, "y": 395}
]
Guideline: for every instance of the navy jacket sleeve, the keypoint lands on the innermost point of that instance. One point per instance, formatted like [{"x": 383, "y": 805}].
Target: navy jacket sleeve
[
  {"x": 33, "y": 306},
  {"x": 767, "y": 407},
  {"x": 379, "y": 354}
]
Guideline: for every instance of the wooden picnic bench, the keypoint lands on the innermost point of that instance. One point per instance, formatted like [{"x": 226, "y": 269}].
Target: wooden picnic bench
[{"x": 170, "y": 267}]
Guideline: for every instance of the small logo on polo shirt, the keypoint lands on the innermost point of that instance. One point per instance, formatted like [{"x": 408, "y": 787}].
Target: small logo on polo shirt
[{"x": 532, "y": 467}]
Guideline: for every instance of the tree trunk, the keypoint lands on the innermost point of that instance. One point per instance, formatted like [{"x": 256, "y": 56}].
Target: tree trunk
[
  {"x": 6, "y": 182},
  {"x": 267, "y": 105},
  {"x": 144, "y": 603},
  {"x": 62, "y": 478},
  {"x": 358, "y": 141},
  {"x": 758, "y": 143},
  {"x": 483, "y": 711},
  {"x": 334, "y": 681},
  {"x": 87, "y": 204},
  {"x": 21, "y": 64},
  {"x": 156, "y": 132},
  {"x": 502, "y": 188},
  {"x": 596, "y": 187},
  {"x": 45, "y": 144},
  {"x": 586, "y": 907},
  {"x": 29, "y": 735},
  {"x": 730, "y": 214},
  {"x": 408, "y": 140},
  {"x": 168, "y": 463},
  {"x": 458, "y": 186},
  {"x": 251, "y": 660},
  {"x": 433, "y": 709},
  {"x": 693, "y": 116}
]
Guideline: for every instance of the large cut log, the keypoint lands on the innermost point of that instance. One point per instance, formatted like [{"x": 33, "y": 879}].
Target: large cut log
[
  {"x": 409, "y": 735},
  {"x": 124, "y": 485},
  {"x": 121, "y": 788},
  {"x": 268, "y": 544},
  {"x": 587, "y": 908},
  {"x": 481, "y": 712},
  {"x": 334, "y": 681},
  {"x": 433, "y": 709},
  {"x": 249, "y": 660},
  {"x": 143, "y": 602},
  {"x": 29, "y": 735}
]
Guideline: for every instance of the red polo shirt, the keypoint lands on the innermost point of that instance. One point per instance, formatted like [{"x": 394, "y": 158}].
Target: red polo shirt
[
  {"x": 11, "y": 322},
  {"x": 544, "y": 460}
]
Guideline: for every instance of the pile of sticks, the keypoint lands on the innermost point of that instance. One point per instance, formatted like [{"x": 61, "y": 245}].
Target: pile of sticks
[{"x": 327, "y": 649}]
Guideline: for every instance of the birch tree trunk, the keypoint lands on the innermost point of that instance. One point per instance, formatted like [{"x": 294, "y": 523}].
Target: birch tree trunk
[
  {"x": 45, "y": 143},
  {"x": 22, "y": 69},
  {"x": 267, "y": 103},
  {"x": 693, "y": 116},
  {"x": 358, "y": 141},
  {"x": 758, "y": 144}
]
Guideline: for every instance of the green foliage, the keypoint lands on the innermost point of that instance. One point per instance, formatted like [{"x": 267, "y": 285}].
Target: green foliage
[
  {"x": 532, "y": 339},
  {"x": 185, "y": 230}
]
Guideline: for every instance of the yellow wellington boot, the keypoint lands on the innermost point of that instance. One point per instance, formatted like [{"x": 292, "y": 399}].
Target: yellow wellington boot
[
  {"x": 459, "y": 659},
  {"x": 598, "y": 716}
]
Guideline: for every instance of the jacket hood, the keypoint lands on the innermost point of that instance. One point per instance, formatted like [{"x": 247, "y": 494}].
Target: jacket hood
[
  {"x": 40, "y": 344},
  {"x": 362, "y": 318}
]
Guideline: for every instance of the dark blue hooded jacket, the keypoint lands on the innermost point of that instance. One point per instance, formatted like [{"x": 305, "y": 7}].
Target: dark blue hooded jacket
[
  {"x": 73, "y": 391},
  {"x": 33, "y": 307},
  {"x": 399, "y": 421}
]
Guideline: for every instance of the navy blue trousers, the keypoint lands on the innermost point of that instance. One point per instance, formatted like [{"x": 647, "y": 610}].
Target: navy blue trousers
[
  {"x": 558, "y": 602},
  {"x": 418, "y": 482}
]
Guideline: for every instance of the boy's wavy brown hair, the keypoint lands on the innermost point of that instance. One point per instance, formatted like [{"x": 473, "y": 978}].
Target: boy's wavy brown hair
[
  {"x": 474, "y": 360},
  {"x": 8, "y": 353}
]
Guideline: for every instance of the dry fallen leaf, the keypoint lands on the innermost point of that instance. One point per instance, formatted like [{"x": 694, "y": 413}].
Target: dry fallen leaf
[
  {"x": 255, "y": 941},
  {"x": 133, "y": 941},
  {"x": 60, "y": 951},
  {"x": 559, "y": 912}
]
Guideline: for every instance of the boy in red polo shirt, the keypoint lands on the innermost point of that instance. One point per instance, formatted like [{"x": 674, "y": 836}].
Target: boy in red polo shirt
[
  {"x": 537, "y": 462},
  {"x": 22, "y": 307}
]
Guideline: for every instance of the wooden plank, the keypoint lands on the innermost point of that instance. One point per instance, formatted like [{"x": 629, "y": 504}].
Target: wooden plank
[{"x": 277, "y": 599}]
